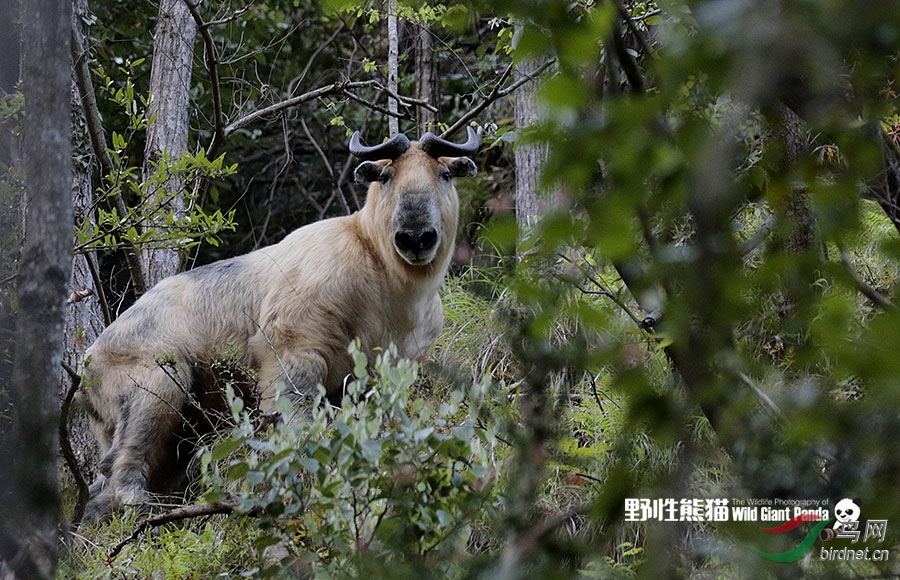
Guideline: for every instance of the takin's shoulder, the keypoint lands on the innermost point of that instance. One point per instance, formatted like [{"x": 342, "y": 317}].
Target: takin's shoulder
[{"x": 331, "y": 246}]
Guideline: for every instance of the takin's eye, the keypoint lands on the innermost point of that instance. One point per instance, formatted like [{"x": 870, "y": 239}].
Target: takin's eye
[{"x": 444, "y": 175}]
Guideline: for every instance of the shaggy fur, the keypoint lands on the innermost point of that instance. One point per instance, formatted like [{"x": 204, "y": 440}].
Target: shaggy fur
[{"x": 291, "y": 309}]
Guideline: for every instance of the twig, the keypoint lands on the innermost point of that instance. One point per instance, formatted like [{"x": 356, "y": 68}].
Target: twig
[
  {"x": 864, "y": 287},
  {"x": 299, "y": 79},
  {"x": 91, "y": 260},
  {"x": 603, "y": 291},
  {"x": 209, "y": 57},
  {"x": 336, "y": 186},
  {"x": 496, "y": 93},
  {"x": 177, "y": 514},
  {"x": 234, "y": 16},
  {"x": 66, "y": 445},
  {"x": 374, "y": 107},
  {"x": 759, "y": 392}
]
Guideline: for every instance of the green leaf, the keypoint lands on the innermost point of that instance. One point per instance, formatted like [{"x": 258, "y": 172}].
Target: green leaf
[{"x": 226, "y": 448}]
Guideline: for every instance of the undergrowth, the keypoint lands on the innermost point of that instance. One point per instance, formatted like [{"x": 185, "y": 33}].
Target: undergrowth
[{"x": 410, "y": 476}]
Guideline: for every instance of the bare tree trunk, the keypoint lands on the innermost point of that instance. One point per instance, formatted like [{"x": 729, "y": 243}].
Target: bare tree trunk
[
  {"x": 29, "y": 501},
  {"x": 167, "y": 137},
  {"x": 393, "y": 73},
  {"x": 10, "y": 200},
  {"x": 85, "y": 317},
  {"x": 426, "y": 119},
  {"x": 531, "y": 203}
]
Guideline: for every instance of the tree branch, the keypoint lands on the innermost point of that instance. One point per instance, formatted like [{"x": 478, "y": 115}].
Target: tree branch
[
  {"x": 334, "y": 89},
  {"x": 377, "y": 108},
  {"x": 758, "y": 236},
  {"x": 97, "y": 136},
  {"x": 392, "y": 73},
  {"x": 864, "y": 287},
  {"x": 66, "y": 445},
  {"x": 177, "y": 514},
  {"x": 209, "y": 58},
  {"x": 496, "y": 93},
  {"x": 629, "y": 66}
]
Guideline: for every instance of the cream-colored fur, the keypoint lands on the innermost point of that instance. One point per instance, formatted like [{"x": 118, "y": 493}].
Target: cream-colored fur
[{"x": 291, "y": 309}]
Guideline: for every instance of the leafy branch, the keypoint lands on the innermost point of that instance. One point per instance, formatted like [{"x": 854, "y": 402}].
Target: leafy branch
[{"x": 97, "y": 136}]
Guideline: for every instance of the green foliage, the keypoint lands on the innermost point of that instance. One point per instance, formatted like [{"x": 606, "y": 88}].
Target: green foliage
[
  {"x": 383, "y": 480},
  {"x": 203, "y": 549},
  {"x": 670, "y": 159},
  {"x": 687, "y": 322},
  {"x": 150, "y": 221}
]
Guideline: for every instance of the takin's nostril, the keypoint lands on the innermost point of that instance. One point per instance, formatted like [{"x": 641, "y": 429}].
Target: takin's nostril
[
  {"x": 416, "y": 241},
  {"x": 427, "y": 239}
]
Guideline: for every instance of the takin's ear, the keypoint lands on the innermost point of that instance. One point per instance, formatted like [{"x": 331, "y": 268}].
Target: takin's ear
[
  {"x": 460, "y": 166},
  {"x": 369, "y": 171}
]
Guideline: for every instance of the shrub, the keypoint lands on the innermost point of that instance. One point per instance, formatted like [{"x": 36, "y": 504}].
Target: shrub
[{"x": 381, "y": 482}]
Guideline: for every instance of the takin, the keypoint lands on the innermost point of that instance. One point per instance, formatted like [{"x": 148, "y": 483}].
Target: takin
[{"x": 290, "y": 310}]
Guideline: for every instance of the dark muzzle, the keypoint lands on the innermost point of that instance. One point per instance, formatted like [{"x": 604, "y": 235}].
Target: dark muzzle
[{"x": 416, "y": 241}]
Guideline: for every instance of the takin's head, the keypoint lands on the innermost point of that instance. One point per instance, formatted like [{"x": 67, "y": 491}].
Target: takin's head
[{"x": 412, "y": 193}]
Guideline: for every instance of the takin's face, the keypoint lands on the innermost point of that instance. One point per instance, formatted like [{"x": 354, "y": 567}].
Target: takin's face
[{"x": 415, "y": 195}]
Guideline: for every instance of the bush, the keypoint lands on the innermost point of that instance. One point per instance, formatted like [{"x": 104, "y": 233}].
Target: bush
[{"x": 382, "y": 482}]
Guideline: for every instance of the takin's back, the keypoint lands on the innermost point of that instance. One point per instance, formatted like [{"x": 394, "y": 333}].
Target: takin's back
[{"x": 318, "y": 289}]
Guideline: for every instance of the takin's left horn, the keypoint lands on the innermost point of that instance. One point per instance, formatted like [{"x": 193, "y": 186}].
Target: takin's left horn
[{"x": 437, "y": 147}]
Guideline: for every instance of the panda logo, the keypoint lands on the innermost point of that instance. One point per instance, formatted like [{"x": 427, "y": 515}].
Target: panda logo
[
  {"x": 845, "y": 511},
  {"x": 846, "y": 520}
]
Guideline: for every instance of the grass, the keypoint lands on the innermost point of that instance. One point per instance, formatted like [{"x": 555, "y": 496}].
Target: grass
[{"x": 214, "y": 547}]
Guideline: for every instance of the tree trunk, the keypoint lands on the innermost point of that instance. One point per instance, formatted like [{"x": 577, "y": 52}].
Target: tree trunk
[
  {"x": 530, "y": 158},
  {"x": 85, "y": 317},
  {"x": 10, "y": 199},
  {"x": 29, "y": 502},
  {"x": 393, "y": 66},
  {"x": 426, "y": 119},
  {"x": 789, "y": 134},
  {"x": 84, "y": 321},
  {"x": 167, "y": 137}
]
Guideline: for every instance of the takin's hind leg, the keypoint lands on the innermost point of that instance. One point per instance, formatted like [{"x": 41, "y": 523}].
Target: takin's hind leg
[{"x": 150, "y": 415}]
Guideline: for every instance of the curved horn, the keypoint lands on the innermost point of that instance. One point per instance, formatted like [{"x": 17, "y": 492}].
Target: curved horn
[
  {"x": 437, "y": 147},
  {"x": 389, "y": 150}
]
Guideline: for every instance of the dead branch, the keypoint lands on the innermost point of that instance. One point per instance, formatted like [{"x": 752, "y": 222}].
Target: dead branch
[
  {"x": 174, "y": 515},
  {"x": 91, "y": 260},
  {"x": 299, "y": 79},
  {"x": 603, "y": 291},
  {"x": 374, "y": 107},
  {"x": 66, "y": 445}
]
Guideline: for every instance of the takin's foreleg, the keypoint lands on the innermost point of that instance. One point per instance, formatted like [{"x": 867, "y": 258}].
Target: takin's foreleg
[
  {"x": 295, "y": 375},
  {"x": 140, "y": 455}
]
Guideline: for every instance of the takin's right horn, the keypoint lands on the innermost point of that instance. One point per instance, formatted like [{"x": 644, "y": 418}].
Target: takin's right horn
[{"x": 388, "y": 150}]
